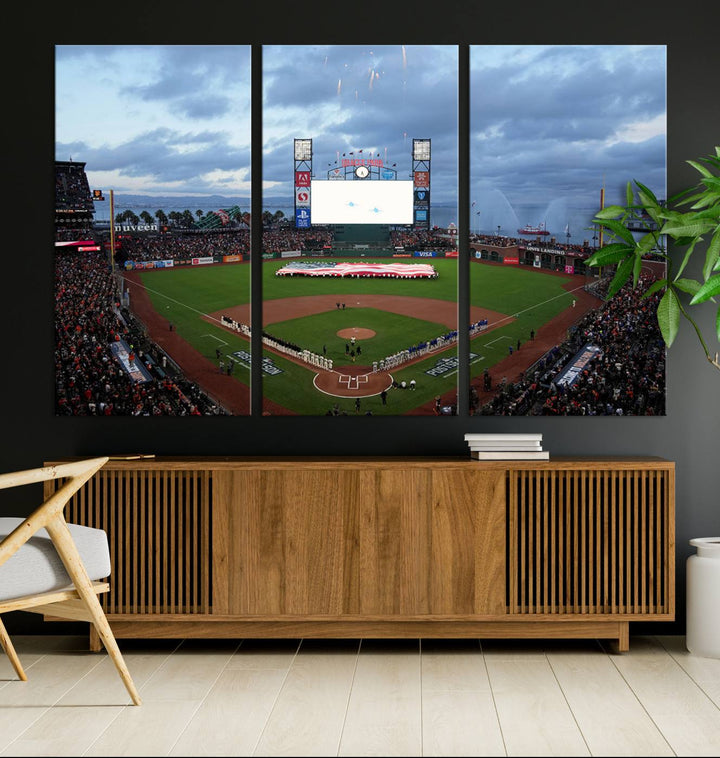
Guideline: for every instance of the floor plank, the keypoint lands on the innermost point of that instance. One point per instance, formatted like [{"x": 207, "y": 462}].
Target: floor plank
[
  {"x": 309, "y": 714},
  {"x": 705, "y": 672},
  {"x": 609, "y": 715},
  {"x": 364, "y": 698},
  {"x": 686, "y": 716},
  {"x": 534, "y": 716},
  {"x": 232, "y": 717},
  {"x": 384, "y": 712}
]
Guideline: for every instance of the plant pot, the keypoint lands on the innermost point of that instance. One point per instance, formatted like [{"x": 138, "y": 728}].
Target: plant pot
[{"x": 702, "y": 634}]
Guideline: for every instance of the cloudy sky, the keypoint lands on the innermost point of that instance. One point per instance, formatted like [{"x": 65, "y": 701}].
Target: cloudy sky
[
  {"x": 557, "y": 123},
  {"x": 547, "y": 122}
]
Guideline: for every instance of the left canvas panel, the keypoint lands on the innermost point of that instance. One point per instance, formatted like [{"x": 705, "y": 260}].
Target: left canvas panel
[{"x": 152, "y": 230}]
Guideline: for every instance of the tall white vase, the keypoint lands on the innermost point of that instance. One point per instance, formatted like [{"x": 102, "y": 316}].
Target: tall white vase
[{"x": 702, "y": 634}]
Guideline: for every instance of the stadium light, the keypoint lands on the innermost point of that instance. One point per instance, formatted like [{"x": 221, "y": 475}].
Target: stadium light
[
  {"x": 303, "y": 149},
  {"x": 421, "y": 150}
]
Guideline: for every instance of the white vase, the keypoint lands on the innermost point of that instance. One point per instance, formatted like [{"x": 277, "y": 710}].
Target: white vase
[{"x": 702, "y": 634}]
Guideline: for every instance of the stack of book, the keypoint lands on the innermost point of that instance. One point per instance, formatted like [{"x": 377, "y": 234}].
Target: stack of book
[{"x": 502, "y": 447}]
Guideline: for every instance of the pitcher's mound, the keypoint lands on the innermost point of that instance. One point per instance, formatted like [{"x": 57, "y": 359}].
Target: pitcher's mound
[{"x": 356, "y": 331}]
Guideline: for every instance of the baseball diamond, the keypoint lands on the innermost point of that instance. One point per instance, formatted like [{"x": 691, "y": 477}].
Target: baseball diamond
[{"x": 383, "y": 316}]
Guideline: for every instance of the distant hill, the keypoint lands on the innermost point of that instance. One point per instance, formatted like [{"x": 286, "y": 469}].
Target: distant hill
[{"x": 192, "y": 202}]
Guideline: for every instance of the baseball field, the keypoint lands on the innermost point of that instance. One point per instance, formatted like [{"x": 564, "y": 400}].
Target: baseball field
[{"x": 323, "y": 314}]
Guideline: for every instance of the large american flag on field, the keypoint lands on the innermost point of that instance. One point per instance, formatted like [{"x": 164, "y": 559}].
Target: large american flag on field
[{"x": 391, "y": 270}]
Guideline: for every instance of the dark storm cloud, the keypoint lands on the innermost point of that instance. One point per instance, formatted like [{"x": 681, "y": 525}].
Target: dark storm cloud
[
  {"x": 561, "y": 121},
  {"x": 163, "y": 154}
]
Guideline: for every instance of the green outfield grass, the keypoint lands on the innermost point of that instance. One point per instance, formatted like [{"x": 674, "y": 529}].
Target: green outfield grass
[
  {"x": 184, "y": 294},
  {"x": 534, "y": 297}
]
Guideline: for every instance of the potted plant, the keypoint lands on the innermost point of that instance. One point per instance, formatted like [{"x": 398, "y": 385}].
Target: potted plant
[{"x": 689, "y": 218}]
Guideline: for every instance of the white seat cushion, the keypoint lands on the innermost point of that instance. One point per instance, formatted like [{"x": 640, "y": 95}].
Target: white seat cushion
[{"x": 36, "y": 567}]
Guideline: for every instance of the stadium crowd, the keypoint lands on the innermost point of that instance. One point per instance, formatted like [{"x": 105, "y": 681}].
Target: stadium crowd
[
  {"x": 185, "y": 245},
  {"x": 182, "y": 246},
  {"x": 89, "y": 380},
  {"x": 422, "y": 239},
  {"x": 626, "y": 379}
]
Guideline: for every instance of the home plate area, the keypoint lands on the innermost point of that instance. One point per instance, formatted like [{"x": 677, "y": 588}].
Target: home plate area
[{"x": 352, "y": 381}]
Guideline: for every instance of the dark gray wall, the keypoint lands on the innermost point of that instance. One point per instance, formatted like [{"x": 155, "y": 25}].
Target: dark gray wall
[{"x": 688, "y": 435}]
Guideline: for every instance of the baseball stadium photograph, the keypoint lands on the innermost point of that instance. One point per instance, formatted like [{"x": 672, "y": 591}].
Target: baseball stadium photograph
[{"x": 361, "y": 256}]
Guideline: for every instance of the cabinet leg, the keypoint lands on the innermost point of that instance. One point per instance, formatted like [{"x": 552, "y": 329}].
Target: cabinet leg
[{"x": 622, "y": 643}]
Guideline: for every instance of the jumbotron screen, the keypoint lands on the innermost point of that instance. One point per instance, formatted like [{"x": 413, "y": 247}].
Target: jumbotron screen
[{"x": 361, "y": 202}]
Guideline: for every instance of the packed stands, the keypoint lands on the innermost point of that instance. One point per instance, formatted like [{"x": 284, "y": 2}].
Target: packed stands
[{"x": 626, "y": 378}]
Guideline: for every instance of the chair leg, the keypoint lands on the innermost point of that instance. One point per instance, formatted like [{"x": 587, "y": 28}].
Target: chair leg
[
  {"x": 68, "y": 552},
  {"x": 7, "y": 646}
]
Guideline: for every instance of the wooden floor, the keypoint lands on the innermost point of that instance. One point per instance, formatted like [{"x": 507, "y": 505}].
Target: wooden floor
[{"x": 360, "y": 698}]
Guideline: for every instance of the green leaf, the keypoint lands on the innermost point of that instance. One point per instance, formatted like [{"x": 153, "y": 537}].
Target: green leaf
[
  {"x": 629, "y": 196},
  {"x": 647, "y": 243},
  {"x": 717, "y": 324},
  {"x": 612, "y": 211},
  {"x": 654, "y": 287},
  {"x": 668, "y": 316},
  {"x": 689, "y": 228},
  {"x": 704, "y": 171},
  {"x": 624, "y": 270},
  {"x": 648, "y": 193},
  {"x": 613, "y": 253},
  {"x": 687, "y": 285},
  {"x": 708, "y": 290},
  {"x": 684, "y": 263},
  {"x": 712, "y": 257},
  {"x": 619, "y": 230},
  {"x": 637, "y": 265}
]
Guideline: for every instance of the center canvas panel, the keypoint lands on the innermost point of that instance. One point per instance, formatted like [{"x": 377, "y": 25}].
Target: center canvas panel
[{"x": 359, "y": 272}]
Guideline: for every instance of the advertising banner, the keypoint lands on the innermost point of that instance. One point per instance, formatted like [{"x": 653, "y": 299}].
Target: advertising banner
[
  {"x": 511, "y": 260},
  {"x": 569, "y": 269},
  {"x": 203, "y": 261},
  {"x": 302, "y": 178},
  {"x": 573, "y": 369},
  {"x": 132, "y": 366},
  {"x": 421, "y": 178},
  {"x": 302, "y": 218},
  {"x": 425, "y": 253},
  {"x": 420, "y": 215},
  {"x": 74, "y": 243},
  {"x": 422, "y": 197},
  {"x": 232, "y": 258},
  {"x": 302, "y": 197}
]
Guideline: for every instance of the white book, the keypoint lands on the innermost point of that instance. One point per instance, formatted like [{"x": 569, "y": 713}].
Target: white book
[
  {"x": 485, "y": 455},
  {"x": 519, "y": 446},
  {"x": 502, "y": 437}
]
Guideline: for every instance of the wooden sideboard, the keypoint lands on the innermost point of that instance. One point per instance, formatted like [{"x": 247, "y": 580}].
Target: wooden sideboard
[{"x": 384, "y": 547}]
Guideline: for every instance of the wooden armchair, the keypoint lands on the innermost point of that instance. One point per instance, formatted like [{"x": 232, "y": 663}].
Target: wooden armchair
[{"x": 49, "y": 566}]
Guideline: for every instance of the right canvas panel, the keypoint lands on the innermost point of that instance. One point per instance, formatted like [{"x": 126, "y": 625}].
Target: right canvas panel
[{"x": 556, "y": 134}]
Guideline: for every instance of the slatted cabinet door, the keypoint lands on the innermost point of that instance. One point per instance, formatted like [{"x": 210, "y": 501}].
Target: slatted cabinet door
[{"x": 591, "y": 541}]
